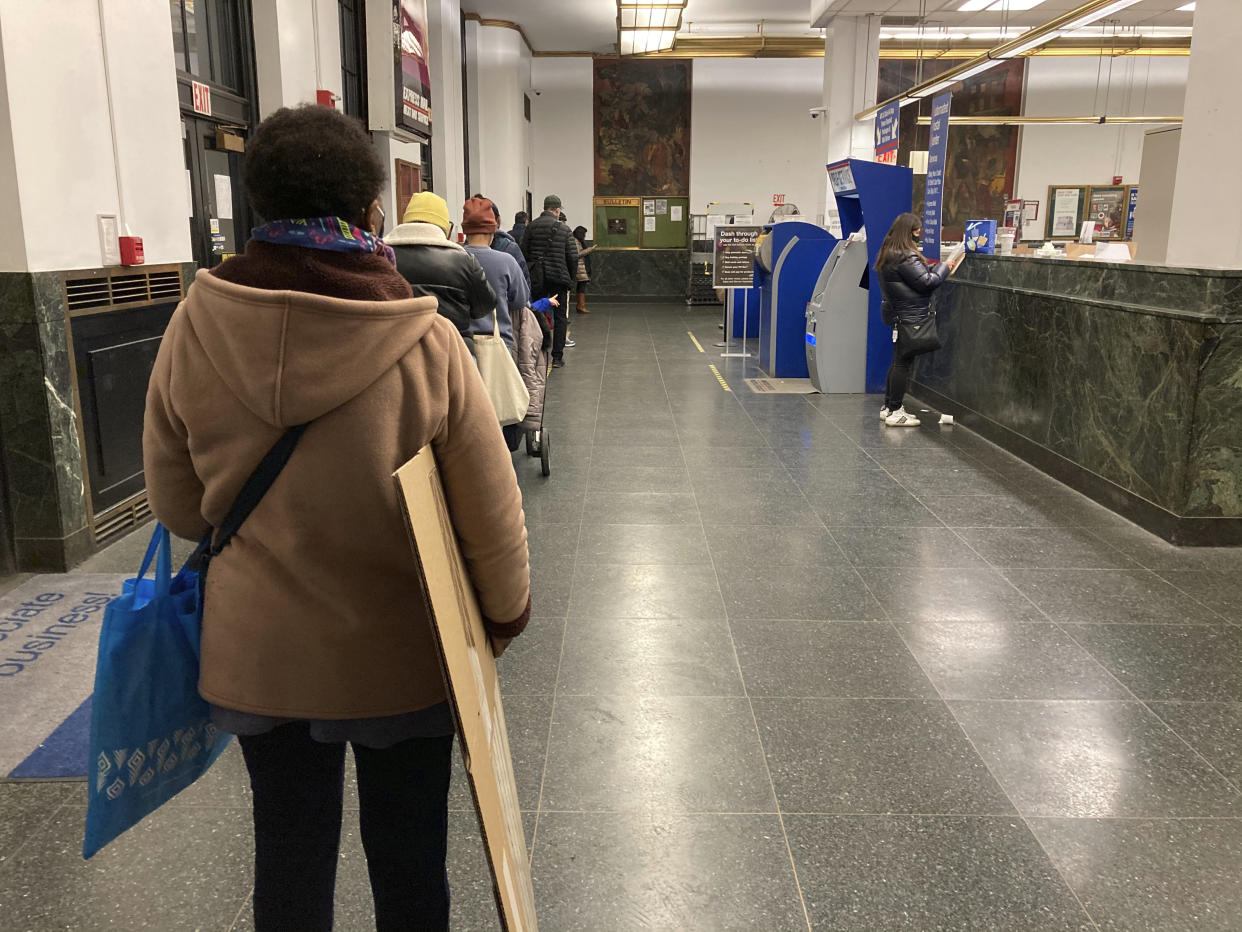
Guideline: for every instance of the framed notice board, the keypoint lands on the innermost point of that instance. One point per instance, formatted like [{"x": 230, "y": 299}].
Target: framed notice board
[
  {"x": 618, "y": 222},
  {"x": 642, "y": 222},
  {"x": 1066, "y": 205},
  {"x": 1109, "y": 206}
]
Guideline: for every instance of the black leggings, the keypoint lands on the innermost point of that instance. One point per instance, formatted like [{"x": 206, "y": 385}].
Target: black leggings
[
  {"x": 898, "y": 377},
  {"x": 403, "y": 800}
]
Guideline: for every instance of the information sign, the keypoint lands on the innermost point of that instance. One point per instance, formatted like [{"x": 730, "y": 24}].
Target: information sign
[
  {"x": 937, "y": 153},
  {"x": 887, "y": 133},
  {"x": 734, "y": 265}
]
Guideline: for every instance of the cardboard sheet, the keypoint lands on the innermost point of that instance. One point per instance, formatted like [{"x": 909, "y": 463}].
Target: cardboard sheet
[{"x": 473, "y": 686}]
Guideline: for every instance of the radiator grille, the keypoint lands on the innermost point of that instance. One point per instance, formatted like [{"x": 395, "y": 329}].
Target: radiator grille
[
  {"x": 96, "y": 290},
  {"x": 121, "y": 520}
]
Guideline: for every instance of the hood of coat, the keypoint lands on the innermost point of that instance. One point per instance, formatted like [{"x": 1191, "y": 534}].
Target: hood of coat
[
  {"x": 419, "y": 234},
  {"x": 291, "y": 356}
]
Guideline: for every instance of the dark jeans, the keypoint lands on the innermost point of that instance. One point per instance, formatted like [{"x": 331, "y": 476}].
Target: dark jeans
[
  {"x": 403, "y": 797},
  {"x": 561, "y": 330},
  {"x": 898, "y": 377}
]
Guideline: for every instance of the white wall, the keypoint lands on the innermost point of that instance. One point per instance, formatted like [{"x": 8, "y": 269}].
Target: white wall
[
  {"x": 297, "y": 51},
  {"x": 563, "y": 143},
  {"x": 61, "y": 136},
  {"x": 752, "y": 136},
  {"x": 447, "y": 128},
  {"x": 1073, "y": 155},
  {"x": 498, "y": 70},
  {"x": 1206, "y": 227}
]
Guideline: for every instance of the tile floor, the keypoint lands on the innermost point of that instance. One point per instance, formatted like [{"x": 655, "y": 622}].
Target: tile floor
[{"x": 789, "y": 669}]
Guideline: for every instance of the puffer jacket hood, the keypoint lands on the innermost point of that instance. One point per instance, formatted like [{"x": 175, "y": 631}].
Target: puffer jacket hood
[{"x": 291, "y": 356}]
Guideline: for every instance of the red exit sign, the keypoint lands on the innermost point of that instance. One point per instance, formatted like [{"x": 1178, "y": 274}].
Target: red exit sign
[
  {"x": 202, "y": 98},
  {"x": 778, "y": 200}
]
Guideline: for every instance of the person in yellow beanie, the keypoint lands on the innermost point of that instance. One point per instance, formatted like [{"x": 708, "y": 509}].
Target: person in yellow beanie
[{"x": 436, "y": 266}]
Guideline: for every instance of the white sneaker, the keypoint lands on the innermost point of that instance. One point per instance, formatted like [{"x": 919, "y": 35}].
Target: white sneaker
[
  {"x": 885, "y": 412},
  {"x": 900, "y": 418},
  {"x": 570, "y": 343}
]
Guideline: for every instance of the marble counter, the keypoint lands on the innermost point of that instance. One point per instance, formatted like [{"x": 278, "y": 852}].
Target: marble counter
[{"x": 1122, "y": 380}]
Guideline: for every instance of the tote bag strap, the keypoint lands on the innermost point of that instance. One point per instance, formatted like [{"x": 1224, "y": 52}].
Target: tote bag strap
[{"x": 248, "y": 498}]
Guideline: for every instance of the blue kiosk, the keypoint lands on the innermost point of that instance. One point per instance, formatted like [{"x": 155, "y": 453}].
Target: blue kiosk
[
  {"x": 791, "y": 256},
  {"x": 869, "y": 197}
]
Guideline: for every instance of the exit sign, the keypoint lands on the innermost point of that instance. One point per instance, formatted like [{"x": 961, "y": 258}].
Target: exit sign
[
  {"x": 202, "y": 98},
  {"x": 778, "y": 200}
]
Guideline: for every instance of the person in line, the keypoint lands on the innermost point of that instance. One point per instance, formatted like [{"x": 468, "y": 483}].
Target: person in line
[
  {"x": 584, "y": 267},
  {"x": 552, "y": 256},
  {"x": 519, "y": 226},
  {"x": 907, "y": 281},
  {"x": 478, "y": 222},
  {"x": 435, "y": 266},
  {"x": 315, "y": 631},
  {"x": 503, "y": 242}
]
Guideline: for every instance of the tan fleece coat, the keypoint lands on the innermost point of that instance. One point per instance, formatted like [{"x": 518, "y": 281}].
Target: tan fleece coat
[{"x": 314, "y": 609}]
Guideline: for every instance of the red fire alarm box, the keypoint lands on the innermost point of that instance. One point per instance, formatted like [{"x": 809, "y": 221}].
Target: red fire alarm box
[
  {"x": 326, "y": 98},
  {"x": 131, "y": 250}
]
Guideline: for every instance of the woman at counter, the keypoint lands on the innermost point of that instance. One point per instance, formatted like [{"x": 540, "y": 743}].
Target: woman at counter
[{"x": 907, "y": 281}]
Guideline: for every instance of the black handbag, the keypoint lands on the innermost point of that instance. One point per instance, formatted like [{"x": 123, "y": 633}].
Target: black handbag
[{"x": 919, "y": 337}]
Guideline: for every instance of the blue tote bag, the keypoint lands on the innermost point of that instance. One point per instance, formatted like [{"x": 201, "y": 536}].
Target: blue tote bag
[{"x": 151, "y": 732}]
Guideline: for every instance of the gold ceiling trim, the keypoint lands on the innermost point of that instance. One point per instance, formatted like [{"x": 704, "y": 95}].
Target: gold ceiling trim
[{"x": 1056, "y": 120}]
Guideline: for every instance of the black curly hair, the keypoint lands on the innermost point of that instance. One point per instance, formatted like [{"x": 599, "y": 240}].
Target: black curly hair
[{"x": 312, "y": 161}]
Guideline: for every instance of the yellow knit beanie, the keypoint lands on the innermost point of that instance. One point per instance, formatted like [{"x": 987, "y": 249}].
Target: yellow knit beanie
[{"x": 426, "y": 207}]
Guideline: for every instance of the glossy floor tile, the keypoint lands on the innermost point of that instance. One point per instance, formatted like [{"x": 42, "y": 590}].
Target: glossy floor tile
[{"x": 787, "y": 669}]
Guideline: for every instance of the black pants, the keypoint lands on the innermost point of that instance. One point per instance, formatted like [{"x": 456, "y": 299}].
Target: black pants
[
  {"x": 898, "y": 377},
  {"x": 561, "y": 328},
  {"x": 403, "y": 797}
]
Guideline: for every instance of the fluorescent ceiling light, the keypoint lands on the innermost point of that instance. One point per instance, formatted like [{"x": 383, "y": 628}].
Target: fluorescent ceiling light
[
  {"x": 972, "y": 6},
  {"x": 640, "y": 41},
  {"x": 1027, "y": 46},
  {"x": 1186, "y": 8},
  {"x": 1096, "y": 15},
  {"x": 650, "y": 17},
  {"x": 998, "y": 6}
]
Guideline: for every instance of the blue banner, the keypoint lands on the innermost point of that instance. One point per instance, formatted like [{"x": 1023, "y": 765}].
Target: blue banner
[
  {"x": 887, "y": 133},
  {"x": 1130, "y": 213},
  {"x": 937, "y": 153}
]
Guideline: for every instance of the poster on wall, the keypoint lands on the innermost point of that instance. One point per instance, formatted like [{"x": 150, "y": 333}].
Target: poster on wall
[
  {"x": 937, "y": 152},
  {"x": 1108, "y": 209},
  {"x": 1065, "y": 211},
  {"x": 887, "y": 129},
  {"x": 1130, "y": 214},
  {"x": 413, "y": 76}
]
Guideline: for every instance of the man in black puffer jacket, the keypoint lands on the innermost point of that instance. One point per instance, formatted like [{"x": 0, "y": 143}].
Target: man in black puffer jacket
[
  {"x": 436, "y": 266},
  {"x": 552, "y": 257}
]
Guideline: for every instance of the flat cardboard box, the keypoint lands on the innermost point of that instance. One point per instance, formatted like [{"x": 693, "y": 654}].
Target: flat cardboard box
[{"x": 473, "y": 686}]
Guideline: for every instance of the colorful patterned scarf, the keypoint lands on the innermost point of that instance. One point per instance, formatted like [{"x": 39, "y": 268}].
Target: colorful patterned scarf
[{"x": 331, "y": 233}]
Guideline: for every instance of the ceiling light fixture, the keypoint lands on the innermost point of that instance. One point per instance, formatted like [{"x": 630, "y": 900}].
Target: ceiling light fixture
[
  {"x": 1186, "y": 8},
  {"x": 645, "y": 27},
  {"x": 1081, "y": 16},
  {"x": 1056, "y": 120}
]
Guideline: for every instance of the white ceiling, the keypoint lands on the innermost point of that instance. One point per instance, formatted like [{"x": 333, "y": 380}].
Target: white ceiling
[{"x": 591, "y": 25}]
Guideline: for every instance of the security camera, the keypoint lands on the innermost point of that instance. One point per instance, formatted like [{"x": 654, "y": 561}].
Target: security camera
[
  {"x": 817, "y": 112},
  {"x": 538, "y": 93}
]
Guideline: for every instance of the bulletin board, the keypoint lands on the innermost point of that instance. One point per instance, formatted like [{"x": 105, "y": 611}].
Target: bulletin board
[
  {"x": 666, "y": 223},
  {"x": 642, "y": 222},
  {"x": 618, "y": 222},
  {"x": 1051, "y": 217}
]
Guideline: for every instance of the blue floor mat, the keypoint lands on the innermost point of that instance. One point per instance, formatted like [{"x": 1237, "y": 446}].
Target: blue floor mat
[{"x": 64, "y": 753}]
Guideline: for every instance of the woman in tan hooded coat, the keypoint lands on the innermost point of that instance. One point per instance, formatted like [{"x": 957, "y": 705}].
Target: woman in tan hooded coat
[{"x": 315, "y": 632}]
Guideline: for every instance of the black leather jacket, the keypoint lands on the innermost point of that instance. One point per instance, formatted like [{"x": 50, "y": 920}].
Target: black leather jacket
[
  {"x": 451, "y": 275},
  {"x": 551, "y": 241},
  {"x": 907, "y": 287}
]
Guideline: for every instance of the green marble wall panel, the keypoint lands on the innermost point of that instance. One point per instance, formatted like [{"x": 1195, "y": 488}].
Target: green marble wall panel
[
  {"x": 1214, "y": 476},
  {"x": 639, "y": 273}
]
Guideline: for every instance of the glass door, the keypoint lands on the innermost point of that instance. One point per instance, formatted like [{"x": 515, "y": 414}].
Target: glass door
[{"x": 220, "y": 217}]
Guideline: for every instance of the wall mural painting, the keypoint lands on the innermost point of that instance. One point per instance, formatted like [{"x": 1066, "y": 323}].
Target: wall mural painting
[
  {"x": 642, "y": 128},
  {"x": 982, "y": 159}
]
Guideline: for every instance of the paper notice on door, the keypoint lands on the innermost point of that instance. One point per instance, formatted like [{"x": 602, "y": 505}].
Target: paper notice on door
[
  {"x": 649, "y": 224},
  {"x": 675, "y": 213},
  {"x": 224, "y": 196}
]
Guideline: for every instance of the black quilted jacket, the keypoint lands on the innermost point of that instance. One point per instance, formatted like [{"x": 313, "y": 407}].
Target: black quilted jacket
[
  {"x": 548, "y": 240},
  {"x": 907, "y": 287}
]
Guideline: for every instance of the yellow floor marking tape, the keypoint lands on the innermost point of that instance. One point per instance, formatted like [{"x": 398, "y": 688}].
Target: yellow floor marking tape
[
  {"x": 720, "y": 378},
  {"x": 694, "y": 341}
]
